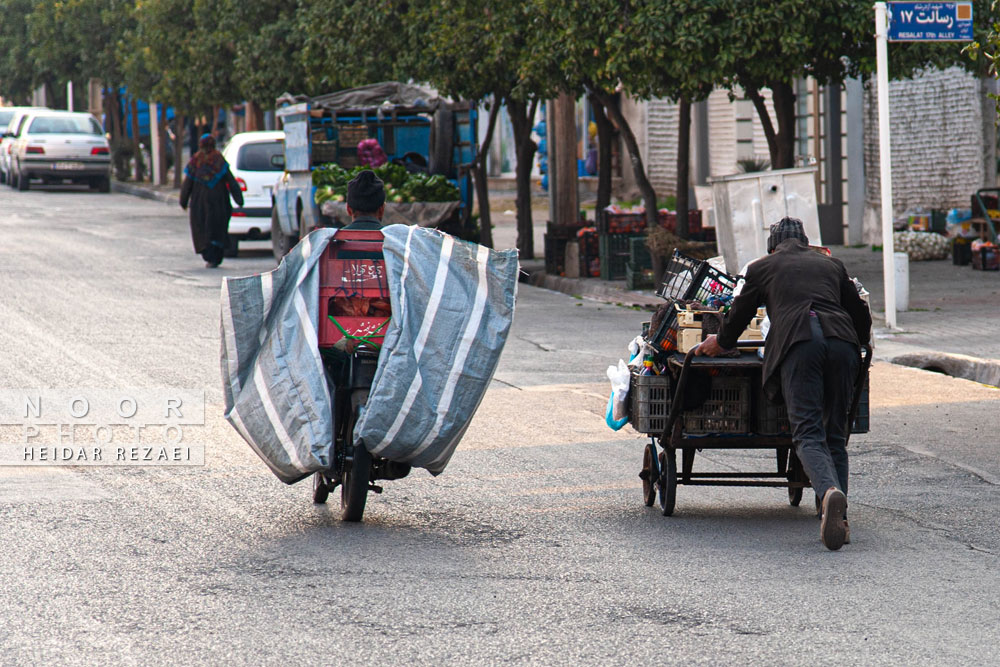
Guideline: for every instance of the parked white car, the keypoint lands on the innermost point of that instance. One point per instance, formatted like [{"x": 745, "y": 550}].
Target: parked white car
[
  {"x": 60, "y": 146},
  {"x": 249, "y": 156},
  {"x": 9, "y": 117}
]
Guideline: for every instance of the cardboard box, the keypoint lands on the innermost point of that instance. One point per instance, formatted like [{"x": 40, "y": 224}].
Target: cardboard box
[{"x": 687, "y": 339}]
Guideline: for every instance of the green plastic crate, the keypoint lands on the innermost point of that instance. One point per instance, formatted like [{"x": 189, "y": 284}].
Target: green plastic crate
[
  {"x": 641, "y": 278},
  {"x": 638, "y": 253},
  {"x": 614, "y": 253}
]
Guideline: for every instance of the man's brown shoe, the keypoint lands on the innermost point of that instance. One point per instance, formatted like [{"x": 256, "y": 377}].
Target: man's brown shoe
[
  {"x": 847, "y": 532},
  {"x": 832, "y": 530}
]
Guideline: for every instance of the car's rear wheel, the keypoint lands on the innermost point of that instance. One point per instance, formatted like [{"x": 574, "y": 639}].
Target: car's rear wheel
[
  {"x": 281, "y": 243},
  {"x": 23, "y": 180}
]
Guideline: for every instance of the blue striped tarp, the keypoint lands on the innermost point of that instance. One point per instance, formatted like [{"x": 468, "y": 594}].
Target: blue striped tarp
[{"x": 452, "y": 304}]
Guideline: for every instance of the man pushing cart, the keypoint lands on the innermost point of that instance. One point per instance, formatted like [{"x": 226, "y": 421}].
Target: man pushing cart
[
  {"x": 802, "y": 400},
  {"x": 811, "y": 358}
]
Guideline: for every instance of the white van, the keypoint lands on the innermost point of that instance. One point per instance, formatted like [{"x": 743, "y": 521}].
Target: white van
[{"x": 249, "y": 156}]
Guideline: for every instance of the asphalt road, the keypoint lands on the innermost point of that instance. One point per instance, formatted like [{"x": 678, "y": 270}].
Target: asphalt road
[{"x": 532, "y": 547}]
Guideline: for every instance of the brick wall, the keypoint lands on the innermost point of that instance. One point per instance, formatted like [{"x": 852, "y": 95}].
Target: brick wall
[
  {"x": 661, "y": 145},
  {"x": 942, "y": 144}
]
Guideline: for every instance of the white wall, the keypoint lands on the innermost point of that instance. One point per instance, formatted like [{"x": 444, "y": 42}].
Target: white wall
[{"x": 942, "y": 139}]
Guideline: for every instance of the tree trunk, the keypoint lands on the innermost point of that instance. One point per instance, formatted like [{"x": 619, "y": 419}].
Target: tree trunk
[
  {"x": 783, "y": 96},
  {"x": 635, "y": 157},
  {"x": 480, "y": 176},
  {"x": 254, "y": 116},
  {"x": 178, "y": 149},
  {"x": 683, "y": 164},
  {"x": 780, "y": 143},
  {"x": 604, "y": 135},
  {"x": 140, "y": 166},
  {"x": 162, "y": 128},
  {"x": 117, "y": 131},
  {"x": 522, "y": 115}
]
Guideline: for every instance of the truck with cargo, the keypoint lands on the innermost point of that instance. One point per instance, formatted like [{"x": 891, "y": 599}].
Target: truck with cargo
[{"x": 414, "y": 126}]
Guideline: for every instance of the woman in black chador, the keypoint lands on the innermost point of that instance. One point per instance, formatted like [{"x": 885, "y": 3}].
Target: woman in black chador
[{"x": 208, "y": 185}]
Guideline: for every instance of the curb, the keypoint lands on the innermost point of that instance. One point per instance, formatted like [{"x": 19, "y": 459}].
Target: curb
[
  {"x": 983, "y": 371},
  {"x": 170, "y": 198},
  {"x": 588, "y": 288}
]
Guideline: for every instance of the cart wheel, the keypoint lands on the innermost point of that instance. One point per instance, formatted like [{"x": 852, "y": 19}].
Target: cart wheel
[
  {"x": 650, "y": 473},
  {"x": 794, "y": 496},
  {"x": 320, "y": 489},
  {"x": 668, "y": 481}
]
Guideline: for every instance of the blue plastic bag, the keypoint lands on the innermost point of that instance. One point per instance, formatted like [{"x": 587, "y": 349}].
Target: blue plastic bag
[{"x": 614, "y": 425}]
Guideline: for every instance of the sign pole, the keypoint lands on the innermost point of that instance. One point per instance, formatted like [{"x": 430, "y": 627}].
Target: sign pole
[{"x": 885, "y": 162}]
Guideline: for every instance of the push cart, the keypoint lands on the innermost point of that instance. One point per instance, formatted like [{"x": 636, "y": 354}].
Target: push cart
[
  {"x": 718, "y": 403},
  {"x": 700, "y": 403}
]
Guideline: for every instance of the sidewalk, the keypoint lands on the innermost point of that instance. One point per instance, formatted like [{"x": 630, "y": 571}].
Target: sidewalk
[
  {"x": 952, "y": 325},
  {"x": 163, "y": 193}
]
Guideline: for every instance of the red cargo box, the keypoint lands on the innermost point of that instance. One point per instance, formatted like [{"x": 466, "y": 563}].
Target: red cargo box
[{"x": 353, "y": 288}]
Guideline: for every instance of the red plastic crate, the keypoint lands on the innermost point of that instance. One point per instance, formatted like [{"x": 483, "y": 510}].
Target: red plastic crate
[{"x": 353, "y": 288}]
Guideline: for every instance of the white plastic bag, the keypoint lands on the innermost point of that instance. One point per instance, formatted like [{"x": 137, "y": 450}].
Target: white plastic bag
[{"x": 619, "y": 376}]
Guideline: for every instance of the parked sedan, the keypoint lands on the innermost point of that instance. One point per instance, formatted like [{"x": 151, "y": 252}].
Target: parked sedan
[
  {"x": 9, "y": 117},
  {"x": 60, "y": 146},
  {"x": 249, "y": 156}
]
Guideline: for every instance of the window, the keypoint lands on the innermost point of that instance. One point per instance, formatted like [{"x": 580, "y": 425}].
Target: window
[
  {"x": 64, "y": 125},
  {"x": 5, "y": 118},
  {"x": 257, "y": 157}
]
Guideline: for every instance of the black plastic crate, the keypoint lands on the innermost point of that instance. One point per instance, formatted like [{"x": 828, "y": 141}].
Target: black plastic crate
[
  {"x": 772, "y": 418},
  {"x": 726, "y": 410},
  {"x": 663, "y": 336},
  {"x": 590, "y": 262},
  {"x": 690, "y": 279},
  {"x": 861, "y": 420},
  {"x": 555, "y": 255},
  {"x": 649, "y": 403}
]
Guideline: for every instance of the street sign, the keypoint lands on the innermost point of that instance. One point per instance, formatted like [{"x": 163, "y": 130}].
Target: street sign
[{"x": 930, "y": 21}]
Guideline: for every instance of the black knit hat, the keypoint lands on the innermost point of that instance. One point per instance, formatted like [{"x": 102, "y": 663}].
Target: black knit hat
[
  {"x": 365, "y": 192},
  {"x": 784, "y": 229}
]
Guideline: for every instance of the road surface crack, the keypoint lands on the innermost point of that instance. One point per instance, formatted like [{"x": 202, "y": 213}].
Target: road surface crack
[{"x": 538, "y": 345}]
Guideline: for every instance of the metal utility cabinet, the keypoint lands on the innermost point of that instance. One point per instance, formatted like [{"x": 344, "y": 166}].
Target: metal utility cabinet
[{"x": 746, "y": 205}]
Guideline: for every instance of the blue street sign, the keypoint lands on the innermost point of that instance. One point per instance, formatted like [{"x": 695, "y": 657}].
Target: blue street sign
[{"x": 930, "y": 21}]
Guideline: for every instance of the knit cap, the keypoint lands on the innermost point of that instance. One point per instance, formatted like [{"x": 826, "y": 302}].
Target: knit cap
[
  {"x": 365, "y": 192},
  {"x": 784, "y": 229}
]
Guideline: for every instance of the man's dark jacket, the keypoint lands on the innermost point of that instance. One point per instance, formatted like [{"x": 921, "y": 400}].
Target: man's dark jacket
[{"x": 790, "y": 282}]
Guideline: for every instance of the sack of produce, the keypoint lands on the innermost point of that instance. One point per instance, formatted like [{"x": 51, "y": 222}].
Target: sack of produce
[{"x": 921, "y": 245}]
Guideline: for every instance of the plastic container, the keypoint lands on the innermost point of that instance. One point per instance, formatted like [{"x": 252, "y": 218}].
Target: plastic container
[
  {"x": 901, "y": 264},
  {"x": 664, "y": 337},
  {"x": 649, "y": 397},
  {"x": 961, "y": 251},
  {"x": 986, "y": 259},
  {"x": 689, "y": 279},
  {"x": 614, "y": 253},
  {"x": 726, "y": 410}
]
